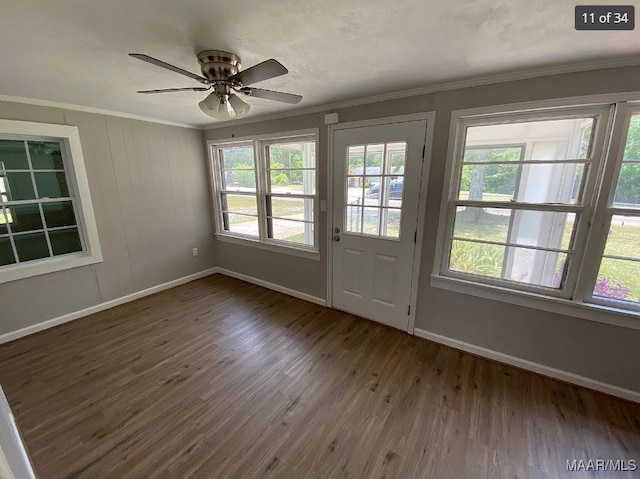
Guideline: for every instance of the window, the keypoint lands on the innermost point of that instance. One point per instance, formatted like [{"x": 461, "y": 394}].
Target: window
[
  {"x": 539, "y": 203},
  {"x": 375, "y": 182},
  {"x": 44, "y": 201},
  {"x": 266, "y": 191}
]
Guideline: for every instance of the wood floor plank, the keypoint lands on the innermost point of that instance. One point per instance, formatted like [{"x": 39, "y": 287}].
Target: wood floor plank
[{"x": 219, "y": 378}]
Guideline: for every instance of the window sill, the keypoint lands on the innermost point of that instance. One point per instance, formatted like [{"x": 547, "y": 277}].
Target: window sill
[
  {"x": 588, "y": 311},
  {"x": 46, "y": 266},
  {"x": 275, "y": 247}
]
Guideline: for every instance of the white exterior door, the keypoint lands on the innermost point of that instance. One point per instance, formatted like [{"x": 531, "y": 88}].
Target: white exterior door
[{"x": 376, "y": 187}]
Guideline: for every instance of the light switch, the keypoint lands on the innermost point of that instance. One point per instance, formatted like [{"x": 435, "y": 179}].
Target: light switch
[{"x": 323, "y": 205}]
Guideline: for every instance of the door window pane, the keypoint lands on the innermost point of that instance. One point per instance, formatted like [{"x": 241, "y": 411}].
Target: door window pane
[
  {"x": 355, "y": 156},
  {"x": 353, "y": 219},
  {"x": 373, "y": 159},
  {"x": 13, "y": 155},
  {"x": 46, "y": 155},
  {"x": 31, "y": 246},
  {"x": 371, "y": 221},
  {"x": 391, "y": 225}
]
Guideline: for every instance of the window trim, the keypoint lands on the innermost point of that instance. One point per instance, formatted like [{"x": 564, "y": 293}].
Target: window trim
[
  {"x": 76, "y": 175},
  {"x": 259, "y": 144},
  {"x": 581, "y": 304}
]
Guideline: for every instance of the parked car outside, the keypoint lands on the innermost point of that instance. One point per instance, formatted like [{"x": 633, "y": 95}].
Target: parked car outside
[{"x": 395, "y": 189}]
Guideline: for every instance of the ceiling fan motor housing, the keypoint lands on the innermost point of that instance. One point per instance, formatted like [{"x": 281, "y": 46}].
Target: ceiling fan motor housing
[{"x": 218, "y": 65}]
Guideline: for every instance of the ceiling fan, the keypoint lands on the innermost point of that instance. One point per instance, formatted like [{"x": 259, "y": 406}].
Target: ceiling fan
[{"x": 221, "y": 72}]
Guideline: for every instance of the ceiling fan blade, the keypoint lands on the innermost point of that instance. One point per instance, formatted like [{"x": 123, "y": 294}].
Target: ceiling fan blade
[
  {"x": 161, "y": 64},
  {"x": 272, "y": 95},
  {"x": 260, "y": 72},
  {"x": 169, "y": 90}
]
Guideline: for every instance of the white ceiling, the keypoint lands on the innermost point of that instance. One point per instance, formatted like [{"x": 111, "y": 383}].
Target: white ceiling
[{"x": 75, "y": 51}]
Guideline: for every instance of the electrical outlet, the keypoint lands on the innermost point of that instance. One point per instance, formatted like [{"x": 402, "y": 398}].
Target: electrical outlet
[{"x": 195, "y": 251}]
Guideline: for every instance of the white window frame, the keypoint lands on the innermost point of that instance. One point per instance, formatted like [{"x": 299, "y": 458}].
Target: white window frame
[
  {"x": 609, "y": 142},
  {"x": 259, "y": 144},
  {"x": 75, "y": 172}
]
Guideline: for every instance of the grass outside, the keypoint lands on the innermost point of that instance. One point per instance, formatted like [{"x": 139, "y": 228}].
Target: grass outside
[{"x": 486, "y": 260}]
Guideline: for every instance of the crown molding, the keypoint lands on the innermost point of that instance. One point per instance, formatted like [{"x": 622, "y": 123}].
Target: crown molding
[
  {"x": 89, "y": 109},
  {"x": 560, "y": 69}
]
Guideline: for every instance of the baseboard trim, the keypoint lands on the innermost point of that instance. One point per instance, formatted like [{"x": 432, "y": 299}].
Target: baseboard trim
[
  {"x": 10, "y": 336},
  {"x": 273, "y": 286},
  {"x": 531, "y": 366}
]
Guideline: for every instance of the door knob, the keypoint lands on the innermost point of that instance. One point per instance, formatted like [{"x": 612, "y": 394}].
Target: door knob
[{"x": 336, "y": 238}]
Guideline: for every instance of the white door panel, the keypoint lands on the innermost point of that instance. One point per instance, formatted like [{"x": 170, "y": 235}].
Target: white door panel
[{"x": 377, "y": 174}]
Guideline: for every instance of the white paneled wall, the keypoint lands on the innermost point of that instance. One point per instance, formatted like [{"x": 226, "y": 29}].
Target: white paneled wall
[{"x": 150, "y": 193}]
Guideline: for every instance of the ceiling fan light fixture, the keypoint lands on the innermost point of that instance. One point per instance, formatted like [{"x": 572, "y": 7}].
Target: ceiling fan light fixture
[
  {"x": 209, "y": 105},
  {"x": 241, "y": 108},
  {"x": 223, "y": 110}
]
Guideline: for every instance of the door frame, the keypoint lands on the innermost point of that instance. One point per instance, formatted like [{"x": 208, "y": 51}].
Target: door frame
[{"x": 430, "y": 117}]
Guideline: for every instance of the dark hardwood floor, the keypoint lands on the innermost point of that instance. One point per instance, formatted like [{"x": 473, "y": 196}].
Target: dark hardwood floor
[{"x": 219, "y": 379}]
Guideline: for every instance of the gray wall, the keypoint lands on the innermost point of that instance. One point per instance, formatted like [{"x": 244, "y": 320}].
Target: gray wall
[
  {"x": 149, "y": 186},
  {"x": 595, "y": 350}
]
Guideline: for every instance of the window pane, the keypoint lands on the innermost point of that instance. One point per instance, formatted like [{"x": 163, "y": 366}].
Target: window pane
[
  {"x": 45, "y": 155},
  {"x": 3, "y": 222},
  {"x": 239, "y": 180},
  {"x": 292, "y": 155},
  {"x": 59, "y": 213},
  {"x": 548, "y": 139},
  {"x": 393, "y": 188},
  {"x": 51, "y": 185},
  {"x": 532, "y": 228},
  {"x": 353, "y": 219},
  {"x": 240, "y": 204},
  {"x": 25, "y": 217},
  {"x": 240, "y": 158},
  {"x": 477, "y": 258},
  {"x": 628, "y": 189},
  {"x": 65, "y": 241},
  {"x": 31, "y": 246},
  {"x": 356, "y": 160},
  {"x": 504, "y": 154},
  {"x": 530, "y": 183},
  {"x": 13, "y": 155},
  {"x": 396, "y": 156},
  {"x": 632, "y": 147},
  {"x": 373, "y": 163},
  {"x": 372, "y": 185},
  {"x": 540, "y": 268},
  {"x": 392, "y": 224},
  {"x": 618, "y": 279},
  {"x": 19, "y": 187},
  {"x": 624, "y": 237},
  {"x": 293, "y": 231},
  {"x": 247, "y": 225},
  {"x": 371, "y": 222},
  {"x": 6, "y": 253},
  {"x": 298, "y": 182},
  {"x": 291, "y": 208}
]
